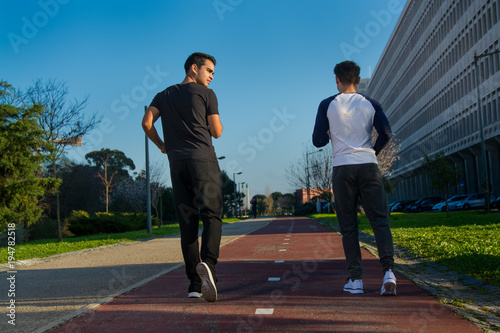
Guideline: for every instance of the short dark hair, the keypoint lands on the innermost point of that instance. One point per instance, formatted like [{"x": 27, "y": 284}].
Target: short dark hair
[
  {"x": 347, "y": 72},
  {"x": 197, "y": 58}
]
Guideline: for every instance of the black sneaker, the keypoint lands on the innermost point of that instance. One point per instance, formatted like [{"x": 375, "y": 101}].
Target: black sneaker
[{"x": 208, "y": 289}]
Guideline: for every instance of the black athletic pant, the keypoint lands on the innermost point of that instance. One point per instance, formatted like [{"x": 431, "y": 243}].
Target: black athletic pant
[{"x": 197, "y": 186}]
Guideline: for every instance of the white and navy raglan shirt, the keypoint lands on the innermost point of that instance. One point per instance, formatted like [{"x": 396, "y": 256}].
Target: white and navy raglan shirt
[{"x": 348, "y": 120}]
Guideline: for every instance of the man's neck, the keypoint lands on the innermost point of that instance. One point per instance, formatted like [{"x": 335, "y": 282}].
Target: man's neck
[
  {"x": 350, "y": 89},
  {"x": 188, "y": 79}
]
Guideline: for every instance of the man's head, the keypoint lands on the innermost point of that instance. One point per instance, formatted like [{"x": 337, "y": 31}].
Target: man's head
[
  {"x": 347, "y": 72},
  {"x": 200, "y": 67}
]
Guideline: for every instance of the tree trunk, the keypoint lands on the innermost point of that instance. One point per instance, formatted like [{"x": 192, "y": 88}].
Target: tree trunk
[{"x": 58, "y": 212}]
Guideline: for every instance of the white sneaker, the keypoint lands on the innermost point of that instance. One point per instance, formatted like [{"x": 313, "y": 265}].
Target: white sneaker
[
  {"x": 389, "y": 285},
  {"x": 194, "y": 294},
  {"x": 208, "y": 288},
  {"x": 354, "y": 286}
]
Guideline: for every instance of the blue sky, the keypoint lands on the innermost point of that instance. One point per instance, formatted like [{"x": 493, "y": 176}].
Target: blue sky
[{"x": 275, "y": 62}]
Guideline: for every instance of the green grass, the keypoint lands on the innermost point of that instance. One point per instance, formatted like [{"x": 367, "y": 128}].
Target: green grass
[
  {"x": 48, "y": 247},
  {"x": 467, "y": 242}
]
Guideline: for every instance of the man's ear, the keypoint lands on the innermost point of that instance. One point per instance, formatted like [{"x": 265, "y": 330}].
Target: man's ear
[
  {"x": 357, "y": 81},
  {"x": 194, "y": 68},
  {"x": 337, "y": 81}
]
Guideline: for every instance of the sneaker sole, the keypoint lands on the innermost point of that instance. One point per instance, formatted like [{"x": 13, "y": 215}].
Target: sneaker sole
[
  {"x": 354, "y": 291},
  {"x": 208, "y": 289},
  {"x": 389, "y": 289}
]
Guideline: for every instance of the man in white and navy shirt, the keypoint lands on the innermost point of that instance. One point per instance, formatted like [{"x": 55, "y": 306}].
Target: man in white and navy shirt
[{"x": 347, "y": 119}]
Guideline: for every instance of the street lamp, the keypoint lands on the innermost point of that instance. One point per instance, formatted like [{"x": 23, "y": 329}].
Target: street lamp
[
  {"x": 234, "y": 190},
  {"x": 480, "y": 118},
  {"x": 240, "y": 191},
  {"x": 307, "y": 169}
]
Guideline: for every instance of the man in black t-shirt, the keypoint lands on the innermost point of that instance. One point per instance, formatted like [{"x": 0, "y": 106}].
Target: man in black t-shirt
[{"x": 190, "y": 117}]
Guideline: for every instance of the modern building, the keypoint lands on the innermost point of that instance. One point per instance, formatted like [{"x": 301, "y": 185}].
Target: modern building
[{"x": 426, "y": 82}]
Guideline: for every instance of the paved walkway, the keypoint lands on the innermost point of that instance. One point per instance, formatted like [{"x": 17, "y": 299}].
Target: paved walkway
[{"x": 285, "y": 276}]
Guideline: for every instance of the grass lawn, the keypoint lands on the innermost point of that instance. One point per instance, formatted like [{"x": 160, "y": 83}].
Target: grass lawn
[
  {"x": 48, "y": 247},
  {"x": 467, "y": 242}
]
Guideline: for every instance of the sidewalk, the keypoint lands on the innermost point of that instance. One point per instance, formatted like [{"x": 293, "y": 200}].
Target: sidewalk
[{"x": 284, "y": 277}]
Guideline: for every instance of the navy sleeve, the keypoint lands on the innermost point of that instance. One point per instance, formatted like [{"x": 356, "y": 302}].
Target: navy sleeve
[
  {"x": 320, "y": 136},
  {"x": 382, "y": 127}
]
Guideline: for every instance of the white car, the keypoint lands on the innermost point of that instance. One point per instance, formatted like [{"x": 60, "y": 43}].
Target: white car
[
  {"x": 474, "y": 201},
  {"x": 452, "y": 203}
]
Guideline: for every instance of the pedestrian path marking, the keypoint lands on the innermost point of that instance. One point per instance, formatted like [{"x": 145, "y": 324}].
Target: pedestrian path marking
[
  {"x": 282, "y": 250},
  {"x": 279, "y": 261},
  {"x": 274, "y": 279},
  {"x": 286, "y": 243},
  {"x": 264, "y": 311}
]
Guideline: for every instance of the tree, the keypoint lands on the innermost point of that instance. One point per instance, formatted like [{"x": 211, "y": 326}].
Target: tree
[
  {"x": 80, "y": 189},
  {"x": 23, "y": 152},
  {"x": 386, "y": 159},
  {"x": 110, "y": 162},
  {"x": 313, "y": 170},
  {"x": 287, "y": 202},
  {"x": 158, "y": 186},
  {"x": 261, "y": 203},
  {"x": 129, "y": 195},
  {"x": 63, "y": 121},
  {"x": 443, "y": 175},
  {"x": 228, "y": 195}
]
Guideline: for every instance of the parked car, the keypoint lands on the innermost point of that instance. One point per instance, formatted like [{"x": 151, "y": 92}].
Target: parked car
[
  {"x": 452, "y": 203},
  {"x": 475, "y": 201},
  {"x": 496, "y": 203},
  {"x": 425, "y": 204},
  {"x": 400, "y": 205},
  {"x": 409, "y": 207}
]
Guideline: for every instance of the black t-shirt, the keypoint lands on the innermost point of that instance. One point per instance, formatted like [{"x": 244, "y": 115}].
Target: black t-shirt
[{"x": 183, "y": 110}]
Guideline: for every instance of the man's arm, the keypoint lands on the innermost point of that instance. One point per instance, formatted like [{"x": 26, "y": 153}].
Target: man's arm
[
  {"x": 151, "y": 116},
  {"x": 321, "y": 134},
  {"x": 215, "y": 125},
  {"x": 383, "y": 129}
]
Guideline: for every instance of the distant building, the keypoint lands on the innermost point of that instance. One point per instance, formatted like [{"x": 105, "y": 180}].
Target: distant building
[
  {"x": 426, "y": 83},
  {"x": 302, "y": 197},
  {"x": 363, "y": 84}
]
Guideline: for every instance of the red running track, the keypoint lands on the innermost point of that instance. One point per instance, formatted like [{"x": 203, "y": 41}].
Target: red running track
[{"x": 285, "y": 277}]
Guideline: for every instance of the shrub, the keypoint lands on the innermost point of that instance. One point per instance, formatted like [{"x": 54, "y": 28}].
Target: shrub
[
  {"x": 84, "y": 224},
  {"x": 43, "y": 229},
  {"x": 306, "y": 209}
]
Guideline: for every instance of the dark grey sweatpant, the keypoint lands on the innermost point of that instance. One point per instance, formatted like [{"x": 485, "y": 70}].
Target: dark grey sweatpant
[{"x": 363, "y": 181}]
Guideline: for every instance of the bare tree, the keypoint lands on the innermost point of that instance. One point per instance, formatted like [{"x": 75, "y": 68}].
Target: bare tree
[
  {"x": 110, "y": 162},
  {"x": 389, "y": 155},
  {"x": 313, "y": 171},
  {"x": 158, "y": 186},
  {"x": 62, "y": 120},
  {"x": 386, "y": 159}
]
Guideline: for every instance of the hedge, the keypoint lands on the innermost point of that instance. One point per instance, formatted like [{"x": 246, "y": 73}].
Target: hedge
[{"x": 81, "y": 223}]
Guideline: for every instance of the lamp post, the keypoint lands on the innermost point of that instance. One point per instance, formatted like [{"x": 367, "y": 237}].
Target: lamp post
[
  {"x": 307, "y": 170},
  {"x": 480, "y": 119},
  {"x": 148, "y": 185},
  {"x": 234, "y": 190},
  {"x": 240, "y": 191}
]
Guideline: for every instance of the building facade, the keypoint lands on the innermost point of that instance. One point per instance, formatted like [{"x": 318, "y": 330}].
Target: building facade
[{"x": 426, "y": 82}]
